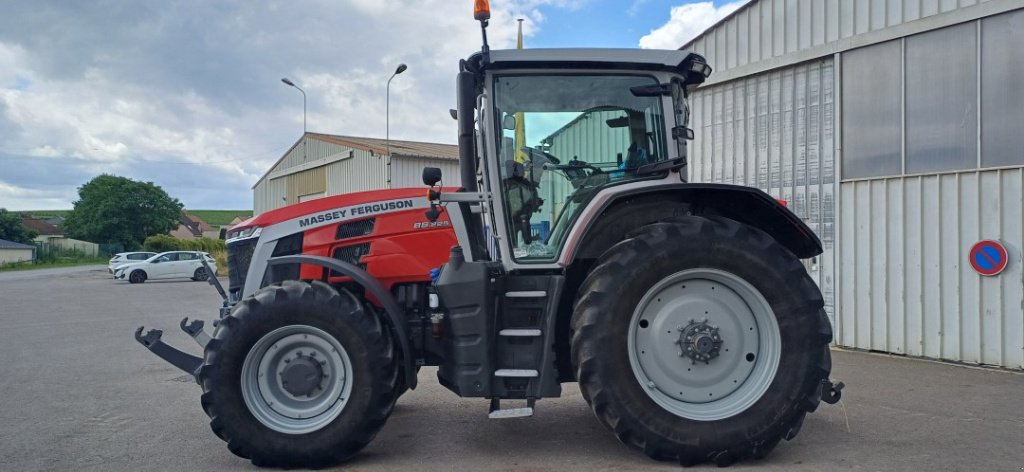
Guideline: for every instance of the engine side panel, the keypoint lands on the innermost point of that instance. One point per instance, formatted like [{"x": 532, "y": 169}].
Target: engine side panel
[{"x": 397, "y": 247}]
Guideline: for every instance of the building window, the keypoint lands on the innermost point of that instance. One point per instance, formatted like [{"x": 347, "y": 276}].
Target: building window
[
  {"x": 942, "y": 114},
  {"x": 1002, "y": 103},
  {"x": 871, "y": 111}
]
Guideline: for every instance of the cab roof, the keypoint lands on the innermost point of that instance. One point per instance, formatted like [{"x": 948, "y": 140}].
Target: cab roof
[{"x": 670, "y": 60}]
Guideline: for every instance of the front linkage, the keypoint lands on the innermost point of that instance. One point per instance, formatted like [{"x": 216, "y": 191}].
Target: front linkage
[{"x": 174, "y": 356}]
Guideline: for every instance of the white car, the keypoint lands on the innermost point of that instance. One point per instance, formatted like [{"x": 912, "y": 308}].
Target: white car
[
  {"x": 167, "y": 265},
  {"x": 127, "y": 257}
]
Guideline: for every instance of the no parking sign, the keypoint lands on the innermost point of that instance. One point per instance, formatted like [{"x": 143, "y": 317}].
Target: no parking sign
[{"x": 988, "y": 257}]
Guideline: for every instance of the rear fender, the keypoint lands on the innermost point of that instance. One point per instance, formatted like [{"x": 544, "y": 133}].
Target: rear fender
[
  {"x": 746, "y": 205},
  {"x": 372, "y": 285}
]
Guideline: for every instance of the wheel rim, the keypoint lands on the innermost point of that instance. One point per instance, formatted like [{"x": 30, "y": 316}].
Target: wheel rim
[
  {"x": 200, "y": 274},
  {"x": 136, "y": 276},
  {"x": 704, "y": 344},
  {"x": 318, "y": 367}
]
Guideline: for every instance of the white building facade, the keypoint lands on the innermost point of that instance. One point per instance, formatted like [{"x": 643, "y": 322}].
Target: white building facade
[
  {"x": 320, "y": 165},
  {"x": 895, "y": 129}
]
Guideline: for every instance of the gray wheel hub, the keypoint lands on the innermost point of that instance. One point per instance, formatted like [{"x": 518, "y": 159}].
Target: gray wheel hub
[
  {"x": 704, "y": 344},
  {"x": 303, "y": 376},
  {"x": 699, "y": 341},
  {"x": 296, "y": 379}
]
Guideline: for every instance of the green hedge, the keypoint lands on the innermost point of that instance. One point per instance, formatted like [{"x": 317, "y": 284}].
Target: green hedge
[{"x": 163, "y": 243}]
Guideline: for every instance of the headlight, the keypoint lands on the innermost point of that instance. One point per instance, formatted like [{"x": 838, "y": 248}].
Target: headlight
[{"x": 250, "y": 232}]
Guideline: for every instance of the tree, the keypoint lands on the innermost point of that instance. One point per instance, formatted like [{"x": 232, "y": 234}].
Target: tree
[
  {"x": 11, "y": 228},
  {"x": 118, "y": 209}
]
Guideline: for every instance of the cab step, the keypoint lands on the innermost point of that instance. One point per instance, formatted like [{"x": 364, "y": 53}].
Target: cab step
[
  {"x": 518, "y": 373},
  {"x": 526, "y": 333},
  {"x": 498, "y": 413}
]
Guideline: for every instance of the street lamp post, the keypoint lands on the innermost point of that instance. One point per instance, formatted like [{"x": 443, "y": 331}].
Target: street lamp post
[
  {"x": 303, "y": 92},
  {"x": 387, "y": 121}
]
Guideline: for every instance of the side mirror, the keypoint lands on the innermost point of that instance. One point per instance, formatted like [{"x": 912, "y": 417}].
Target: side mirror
[
  {"x": 431, "y": 176},
  {"x": 509, "y": 122}
]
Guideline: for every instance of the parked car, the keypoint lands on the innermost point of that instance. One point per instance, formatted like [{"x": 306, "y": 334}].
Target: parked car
[
  {"x": 167, "y": 265},
  {"x": 127, "y": 257}
]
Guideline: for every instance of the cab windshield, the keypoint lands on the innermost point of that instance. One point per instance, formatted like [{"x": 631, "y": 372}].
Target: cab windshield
[{"x": 562, "y": 139}]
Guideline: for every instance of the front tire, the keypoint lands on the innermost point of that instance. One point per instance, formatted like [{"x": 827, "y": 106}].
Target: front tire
[
  {"x": 339, "y": 359},
  {"x": 137, "y": 277},
  {"x": 701, "y": 339}
]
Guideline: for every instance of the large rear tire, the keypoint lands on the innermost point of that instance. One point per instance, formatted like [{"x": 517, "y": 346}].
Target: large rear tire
[
  {"x": 701, "y": 339},
  {"x": 338, "y": 358}
]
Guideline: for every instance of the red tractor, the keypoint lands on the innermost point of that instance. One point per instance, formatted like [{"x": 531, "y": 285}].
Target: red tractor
[{"x": 681, "y": 309}]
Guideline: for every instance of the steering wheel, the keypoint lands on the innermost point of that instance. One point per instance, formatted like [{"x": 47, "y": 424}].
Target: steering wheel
[{"x": 548, "y": 157}]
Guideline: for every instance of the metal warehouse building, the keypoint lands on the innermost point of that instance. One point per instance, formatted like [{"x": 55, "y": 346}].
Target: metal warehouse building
[
  {"x": 895, "y": 128},
  {"x": 319, "y": 165}
]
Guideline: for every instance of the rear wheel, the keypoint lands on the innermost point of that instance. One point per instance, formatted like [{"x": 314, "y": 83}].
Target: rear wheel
[
  {"x": 200, "y": 274},
  {"x": 298, "y": 375},
  {"x": 137, "y": 276},
  {"x": 701, "y": 339}
]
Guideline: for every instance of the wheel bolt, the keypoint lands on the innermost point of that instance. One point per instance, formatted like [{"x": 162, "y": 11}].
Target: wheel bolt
[{"x": 651, "y": 385}]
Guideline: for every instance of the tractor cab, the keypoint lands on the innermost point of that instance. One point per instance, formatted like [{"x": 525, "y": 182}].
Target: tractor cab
[{"x": 557, "y": 127}]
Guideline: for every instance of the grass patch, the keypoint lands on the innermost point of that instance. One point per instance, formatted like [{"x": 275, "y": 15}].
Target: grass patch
[
  {"x": 52, "y": 264},
  {"x": 220, "y": 217}
]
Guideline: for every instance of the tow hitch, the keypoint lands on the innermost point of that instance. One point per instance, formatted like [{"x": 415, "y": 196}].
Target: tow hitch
[
  {"x": 831, "y": 392},
  {"x": 174, "y": 356},
  {"x": 179, "y": 359}
]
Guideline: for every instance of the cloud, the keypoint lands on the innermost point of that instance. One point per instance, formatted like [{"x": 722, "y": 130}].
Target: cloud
[
  {"x": 686, "y": 22},
  {"x": 635, "y": 7},
  {"x": 191, "y": 98}
]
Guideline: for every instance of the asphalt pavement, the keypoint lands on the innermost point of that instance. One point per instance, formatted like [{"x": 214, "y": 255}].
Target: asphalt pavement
[
  {"x": 78, "y": 393},
  {"x": 48, "y": 273}
]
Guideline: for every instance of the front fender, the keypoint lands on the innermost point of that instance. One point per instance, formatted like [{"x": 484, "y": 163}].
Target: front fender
[{"x": 371, "y": 284}]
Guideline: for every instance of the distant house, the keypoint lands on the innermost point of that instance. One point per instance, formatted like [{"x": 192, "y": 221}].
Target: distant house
[
  {"x": 193, "y": 227},
  {"x": 46, "y": 230},
  {"x": 51, "y": 237},
  {"x": 12, "y": 252}
]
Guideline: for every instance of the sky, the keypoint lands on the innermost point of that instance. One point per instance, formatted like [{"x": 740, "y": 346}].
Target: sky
[{"x": 187, "y": 94}]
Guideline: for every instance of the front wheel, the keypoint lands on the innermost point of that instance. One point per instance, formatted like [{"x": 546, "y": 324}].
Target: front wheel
[
  {"x": 701, "y": 339},
  {"x": 137, "y": 277},
  {"x": 298, "y": 375}
]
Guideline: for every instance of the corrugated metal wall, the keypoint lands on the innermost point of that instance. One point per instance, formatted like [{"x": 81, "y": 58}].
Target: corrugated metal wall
[
  {"x": 767, "y": 29},
  {"x": 314, "y": 149},
  {"x": 307, "y": 182},
  {"x": 408, "y": 171},
  {"x": 919, "y": 189},
  {"x": 333, "y": 170},
  {"x": 362, "y": 172},
  {"x": 775, "y": 131},
  {"x": 269, "y": 194},
  {"x": 910, "y": 289},
  {"x": 589, "y": 137}
]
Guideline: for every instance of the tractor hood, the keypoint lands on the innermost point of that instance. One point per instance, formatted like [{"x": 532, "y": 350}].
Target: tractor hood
[{"x": 321, "y": 206}]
